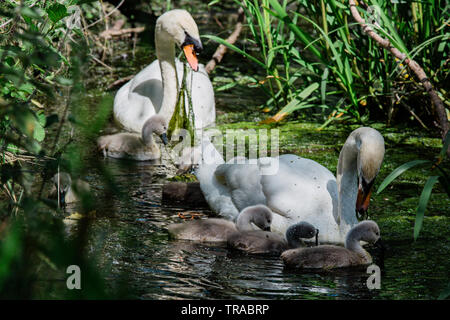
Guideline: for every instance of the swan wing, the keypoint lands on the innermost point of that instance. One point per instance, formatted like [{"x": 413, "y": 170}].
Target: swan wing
[
  {"x": 217, "y": 195},
  {"x": 139, "y": 99},
  {"x": 243, "y": 181},
  {"x": 301, "y": 190}
]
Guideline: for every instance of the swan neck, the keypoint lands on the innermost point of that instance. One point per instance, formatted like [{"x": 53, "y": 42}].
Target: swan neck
[
  {"x": 244, "y": 221},
  {"x": 165, "y": 52},
  {"x": 292, "y": 241},
  {"x": 147, "y": 137},
  {"x": 347, "y": 182},
  {"x": 352, "y": 242}
]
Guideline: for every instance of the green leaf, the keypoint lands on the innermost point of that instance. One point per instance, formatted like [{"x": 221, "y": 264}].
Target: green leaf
[
  {"x": 213, "y": 2},
  {"x": 12, "y": 148},
  {"x": 226, "y": 86},
  {"x": 41, "y": 118},
  {"x": 56, "y": 12},
  {"x": 38, "y": 133},
  {"x": 423, "y": 201},
  {"x": 308, "y": 90},
  {"x": 10, "y": 248},
  {"x": 398, "y": 171},
  {"x": 298, "y": 103},
  {"x": 444, "y": 294}
]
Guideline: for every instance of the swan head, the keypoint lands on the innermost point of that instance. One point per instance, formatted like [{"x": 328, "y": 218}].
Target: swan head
[
  {"x": 366, "y": 230},
  {"x": 155, "y": 124},
  {"x": 370, "y": 144},
  {"x": 181, "y": 27},
  {"x": 301, "y": 230},
  {"x": 259, "y": 214}
]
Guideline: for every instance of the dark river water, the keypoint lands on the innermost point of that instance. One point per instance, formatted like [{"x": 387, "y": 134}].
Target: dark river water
[{"x": 128, "y": 239}]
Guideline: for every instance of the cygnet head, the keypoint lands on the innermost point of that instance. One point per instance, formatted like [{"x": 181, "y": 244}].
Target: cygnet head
[
  {"x": 370, "y": 144},
  {"x": 181, "y": 27},
  {"x": 366, "y": 230},
  {"x": 64, "y": 182},
  {"x": 155, "y": 124},
  {"x": 259, "y": 214},
  {"x": 301, "y": 230}
]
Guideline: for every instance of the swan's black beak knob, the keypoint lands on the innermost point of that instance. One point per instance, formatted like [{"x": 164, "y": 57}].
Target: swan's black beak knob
[{"x": 267, "y": 228}]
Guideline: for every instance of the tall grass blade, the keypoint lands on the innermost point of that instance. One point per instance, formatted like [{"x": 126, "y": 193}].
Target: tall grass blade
[
  {"x": 446, "y": 293},
  {"x": 394, "y": 174},
  {"x": 423, "y": 201}
]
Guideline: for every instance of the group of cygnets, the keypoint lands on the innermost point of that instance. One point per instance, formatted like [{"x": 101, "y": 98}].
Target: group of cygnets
[
  {"x": 145, "y": 105},
  {"x": 243, "y": 236}
]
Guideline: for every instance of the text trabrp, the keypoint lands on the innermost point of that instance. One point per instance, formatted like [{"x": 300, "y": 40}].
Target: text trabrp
[{"x": 246, "y": 309}]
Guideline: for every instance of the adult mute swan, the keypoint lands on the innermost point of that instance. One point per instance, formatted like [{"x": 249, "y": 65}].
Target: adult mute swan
[
  {"x": 329, "y": 257},
  {"x": 299, "y": 189},
  {"x": 155, "y": 89}
]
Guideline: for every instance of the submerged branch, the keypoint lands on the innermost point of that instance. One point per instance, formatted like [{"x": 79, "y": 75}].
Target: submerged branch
[{"x": 221, "y": 49}]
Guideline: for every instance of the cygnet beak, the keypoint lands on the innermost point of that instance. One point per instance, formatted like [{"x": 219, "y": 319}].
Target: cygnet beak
[
  {"x": 380, "y": 244},
  {"x": 164, "y": 138}
]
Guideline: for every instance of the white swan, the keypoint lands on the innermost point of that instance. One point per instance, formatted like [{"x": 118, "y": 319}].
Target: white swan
[
  {"x": 140, "y": 147},
  {"x": 302, "y": 189},
  {"x": 155, "y": 89}
]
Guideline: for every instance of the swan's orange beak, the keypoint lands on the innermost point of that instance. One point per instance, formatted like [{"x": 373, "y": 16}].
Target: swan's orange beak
[
  {"x": 363, "y": 199},
  {"x": 191, "y": 56}
]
